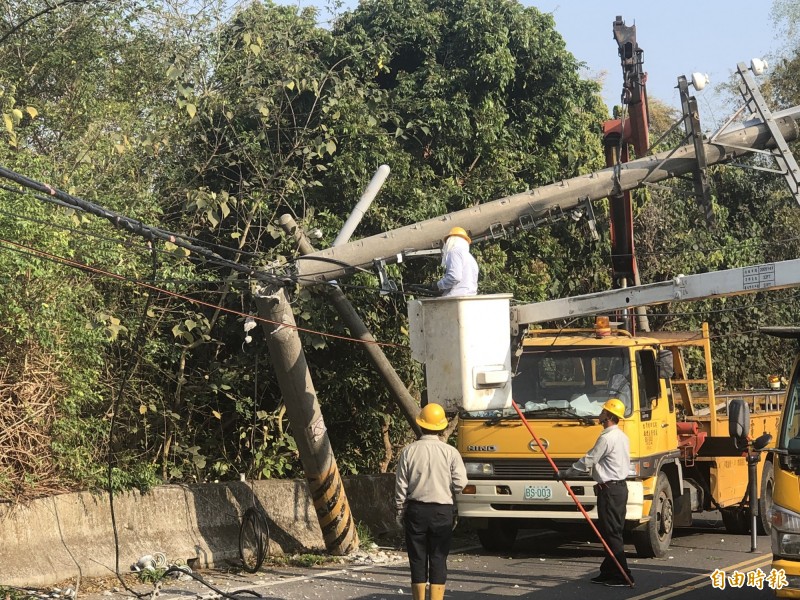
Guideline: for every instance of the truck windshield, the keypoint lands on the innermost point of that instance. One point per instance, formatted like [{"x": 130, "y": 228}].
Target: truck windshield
[{"x": 564, "y": 382}]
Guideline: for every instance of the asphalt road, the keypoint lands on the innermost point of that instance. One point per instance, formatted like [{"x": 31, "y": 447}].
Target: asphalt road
[{"x": 541, "y": 565}]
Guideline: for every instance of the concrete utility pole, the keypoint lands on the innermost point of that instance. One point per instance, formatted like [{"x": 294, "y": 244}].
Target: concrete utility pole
[
  {"x": 362, "y": 205},
  {"x": 534, "y": 208},
  {"x": 308, "y": 427},
  {"x": 358, "y": 329}
]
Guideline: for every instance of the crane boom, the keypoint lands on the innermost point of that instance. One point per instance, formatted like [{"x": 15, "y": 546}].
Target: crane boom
[
  {"x": 683, "y": 288},
  {"x": 618, "y": 135},
  {"x": 533, "y": 208}
]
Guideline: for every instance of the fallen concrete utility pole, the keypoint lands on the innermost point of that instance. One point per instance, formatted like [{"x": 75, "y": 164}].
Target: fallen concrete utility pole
[
  {"x": 534, "y": 208},
  {"x": 310, "y": 434},
  {"x": 359, "y": 330}
]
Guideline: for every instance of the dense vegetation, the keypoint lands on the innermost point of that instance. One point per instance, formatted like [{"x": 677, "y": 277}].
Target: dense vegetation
[{"x": 213, "y": 121}]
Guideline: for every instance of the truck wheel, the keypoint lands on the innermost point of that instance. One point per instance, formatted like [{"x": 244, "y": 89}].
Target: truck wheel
[
  {"x": 765, "y": 498},
  {"x": 652, "y": 539},
  {"x": 499, "y": 537}
]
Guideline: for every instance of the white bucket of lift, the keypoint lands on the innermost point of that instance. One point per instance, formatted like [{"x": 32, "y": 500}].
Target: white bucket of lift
[{"x": 465, "y": 344}]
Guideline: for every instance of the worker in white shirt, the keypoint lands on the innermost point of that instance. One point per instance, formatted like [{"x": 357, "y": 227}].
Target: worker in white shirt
[
  {"x": 429, "y": 473},
  {"x": 609, "y": 461},
  {"x": 460, "y": 268}
]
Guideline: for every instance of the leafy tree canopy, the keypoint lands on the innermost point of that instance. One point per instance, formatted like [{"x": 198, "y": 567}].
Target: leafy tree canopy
[{"x": 212, "y": 122}]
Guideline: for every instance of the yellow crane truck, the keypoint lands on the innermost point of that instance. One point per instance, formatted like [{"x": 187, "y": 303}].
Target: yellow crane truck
[{"x": 682, "y": 459}]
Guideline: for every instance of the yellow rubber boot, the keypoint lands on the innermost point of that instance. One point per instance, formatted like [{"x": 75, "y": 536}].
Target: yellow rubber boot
[
  {"x": 418, "y": 591},
  {"x": 437, "y": 591}
]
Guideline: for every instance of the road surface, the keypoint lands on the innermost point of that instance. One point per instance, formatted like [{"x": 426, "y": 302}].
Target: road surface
[{"x": 542, "y": 565}]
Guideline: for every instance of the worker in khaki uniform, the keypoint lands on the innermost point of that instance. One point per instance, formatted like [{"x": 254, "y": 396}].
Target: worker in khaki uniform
[
  {"x": 429, "y": 473},
  {"x": 609, "y": 461}
]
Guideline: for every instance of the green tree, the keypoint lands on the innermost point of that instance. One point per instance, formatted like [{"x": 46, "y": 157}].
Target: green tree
[
  {"x": 295, "y": 119},
  {"x": 86, "y": 77}
]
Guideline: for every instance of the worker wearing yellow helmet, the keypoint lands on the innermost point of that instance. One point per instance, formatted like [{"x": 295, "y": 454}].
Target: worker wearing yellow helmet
[
  {"x": 429, "y": 473},
  {"x": 609, "y": 462},
  {"x": 460, "y": 268}
]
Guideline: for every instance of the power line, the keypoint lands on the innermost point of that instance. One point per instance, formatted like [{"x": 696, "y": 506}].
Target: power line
[
  {"x": 51, "y": 200},
  {"x": 84, "y": 267},
  {"x": 152, "y": 233},
  {"x": 141, "y": 247},
  {"x": 136, "y": 226}
]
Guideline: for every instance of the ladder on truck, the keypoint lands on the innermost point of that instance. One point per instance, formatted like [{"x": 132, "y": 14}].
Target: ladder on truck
[{"x": 680, "y": 380}]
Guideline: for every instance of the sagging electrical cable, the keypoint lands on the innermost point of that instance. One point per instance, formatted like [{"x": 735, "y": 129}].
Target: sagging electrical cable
[
  {"x": 35, "y": 253},
  {"x": 254, "y": 529},
  {"x": 237, "y": 595},
  {"x": 72, "y": 263},
  {"x": 63, "y": 199},
  {"x": 253, "y": 537},
  {"x": 135, "y": 226},
  {"x": 121, "y": 242},
  {"x": 572, "y": 494},
  {"x": 28, "y": 251}
]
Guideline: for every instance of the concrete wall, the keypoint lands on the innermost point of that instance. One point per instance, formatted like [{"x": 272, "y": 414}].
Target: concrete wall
[{"x": 53, "y": 539}]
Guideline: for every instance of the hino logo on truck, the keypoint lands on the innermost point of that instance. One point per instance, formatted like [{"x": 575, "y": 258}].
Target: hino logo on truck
[
  {"x": 535, "y": 447},
  {"x": 482, "y": 448}
]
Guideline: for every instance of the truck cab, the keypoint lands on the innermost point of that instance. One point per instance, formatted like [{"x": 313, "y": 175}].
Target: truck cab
[{"x": 560, "y": 383}]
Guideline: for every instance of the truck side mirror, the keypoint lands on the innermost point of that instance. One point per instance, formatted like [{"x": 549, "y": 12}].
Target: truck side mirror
[{"x": 739, "y": 421}]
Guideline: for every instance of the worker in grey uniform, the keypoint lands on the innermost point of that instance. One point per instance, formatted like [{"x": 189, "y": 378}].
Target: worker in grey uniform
[
  {"x": 429, "y": 473},
  {"x": 609, "y": 461}
]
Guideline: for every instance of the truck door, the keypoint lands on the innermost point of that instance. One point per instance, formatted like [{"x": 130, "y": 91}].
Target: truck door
[
  {"x": 653, "y": 410},
  {"x": 790, "y": 423}
]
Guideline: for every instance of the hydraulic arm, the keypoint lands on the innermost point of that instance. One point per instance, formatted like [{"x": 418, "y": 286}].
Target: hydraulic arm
[
  {"x": 618, "y": 134},
  {"x": 731, "y": 282}
]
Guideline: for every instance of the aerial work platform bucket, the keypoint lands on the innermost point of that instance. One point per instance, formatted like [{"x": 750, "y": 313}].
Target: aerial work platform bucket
[{"x": 465, "y": 344}]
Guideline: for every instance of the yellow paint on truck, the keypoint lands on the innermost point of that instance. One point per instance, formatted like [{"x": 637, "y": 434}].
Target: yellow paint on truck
[{"x": 561, "y": 380}]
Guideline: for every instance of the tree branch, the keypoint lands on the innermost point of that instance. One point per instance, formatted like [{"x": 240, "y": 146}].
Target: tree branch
[{"x": 44, "y": 11}]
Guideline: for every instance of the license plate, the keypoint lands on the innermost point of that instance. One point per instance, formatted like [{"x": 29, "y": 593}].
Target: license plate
[{"x": 538, "y": 492}]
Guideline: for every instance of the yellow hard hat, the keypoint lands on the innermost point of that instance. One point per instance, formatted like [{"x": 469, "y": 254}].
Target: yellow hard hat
[
  {"x": 460, "y": 232},
  {"x": 432, "y": 417},
  {"x": 615, "y": 407}
]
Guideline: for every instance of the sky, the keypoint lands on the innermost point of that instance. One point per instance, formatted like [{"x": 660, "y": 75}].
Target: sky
[{"x": 678, "y": 37}]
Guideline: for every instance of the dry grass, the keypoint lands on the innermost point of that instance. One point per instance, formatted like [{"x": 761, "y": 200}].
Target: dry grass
[{"x": 29, "y": 390}]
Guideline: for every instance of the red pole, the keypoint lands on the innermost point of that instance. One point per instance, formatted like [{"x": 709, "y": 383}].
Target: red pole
[{"x": 572, "y": 495}]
